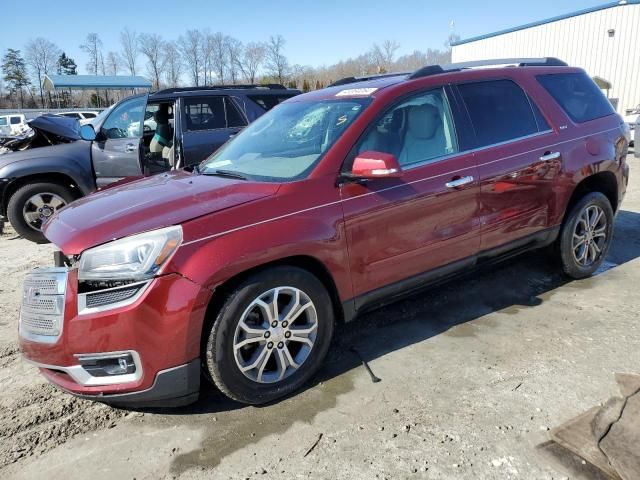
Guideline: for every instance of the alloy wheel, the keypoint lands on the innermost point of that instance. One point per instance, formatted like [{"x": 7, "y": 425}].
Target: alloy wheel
[
  {"x": 38, "y": 208},
  {"x": 589, "y": 236},
  {"x": 275, "y": 334}
]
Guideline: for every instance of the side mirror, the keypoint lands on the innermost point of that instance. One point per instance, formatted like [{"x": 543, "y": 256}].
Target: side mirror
[
  {"x": 372, "y": 164},
  {"x": 87, "y": 133}
]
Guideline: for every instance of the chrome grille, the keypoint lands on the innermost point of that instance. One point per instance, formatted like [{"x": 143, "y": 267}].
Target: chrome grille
[{"x": 43, "y": 299}]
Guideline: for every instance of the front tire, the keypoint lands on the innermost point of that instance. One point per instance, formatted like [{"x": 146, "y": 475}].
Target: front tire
[
  {"x": 270, "y": 336},
  {"x": 32, "y": 205},
  {"x": 586, "y": 236}
]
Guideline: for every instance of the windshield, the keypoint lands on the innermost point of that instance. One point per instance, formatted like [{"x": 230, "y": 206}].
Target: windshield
[
  {"x": 101, "y": 116},
  {"x": 287, "y": 142}
]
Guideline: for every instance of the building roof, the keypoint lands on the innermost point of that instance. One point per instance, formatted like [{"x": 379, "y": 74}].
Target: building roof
[
  {"x": 91, "y": 82},
  {"x": 548, "y": 20}
]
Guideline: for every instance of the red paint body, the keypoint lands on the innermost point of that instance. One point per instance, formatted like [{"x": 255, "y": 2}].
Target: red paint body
[{"x": 366, "y": 236}]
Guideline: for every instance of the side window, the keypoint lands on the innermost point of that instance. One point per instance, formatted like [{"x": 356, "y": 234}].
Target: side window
[
  {"x": 543, "y": 125},
  {"x": 125, "y": 120},
  {"x": 267, "y": 102},
  {"x": 15, "y": 120},
  {"x": 88, "y": 115},
  {"x": 3, "y": 121},
  {"x": 418, "y": 130},
  {"x": 234, "y": 117},
  {"x": 500, "y": 111},
  {"x": 578, "y": 95},
  {"x": 205, "y": 113}
]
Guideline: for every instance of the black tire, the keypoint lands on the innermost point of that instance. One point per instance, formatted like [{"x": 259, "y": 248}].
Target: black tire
[
  {"x": 21, "y": 196},
  {"x": 568, "y": 261},
  {"x": 219, "y": 355}
]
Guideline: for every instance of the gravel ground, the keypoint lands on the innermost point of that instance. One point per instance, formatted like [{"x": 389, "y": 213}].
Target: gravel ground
[{"x": 474, "y": 374}]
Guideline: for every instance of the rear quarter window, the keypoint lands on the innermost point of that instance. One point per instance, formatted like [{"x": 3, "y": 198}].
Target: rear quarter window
[
  {"x": 578, "y": 95},
  {"x": 15, "y": 120}
]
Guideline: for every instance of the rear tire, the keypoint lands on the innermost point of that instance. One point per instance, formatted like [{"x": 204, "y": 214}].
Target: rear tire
[
  {"x": 586, "y": 236},
  {"x": 32, "y": 204},
  {"x": 255, "y": 314}
]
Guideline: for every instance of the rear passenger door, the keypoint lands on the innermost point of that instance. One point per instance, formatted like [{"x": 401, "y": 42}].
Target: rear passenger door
[
  {"x": 517, "y": 168},
  {"x": 207, "y": 123}
]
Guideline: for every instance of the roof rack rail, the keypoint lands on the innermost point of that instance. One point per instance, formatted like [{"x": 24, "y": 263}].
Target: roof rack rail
[
  {"x": 268, "y": 86},
  {"x": 347, "y": 80},
  {"x": 516, "y": 62}
]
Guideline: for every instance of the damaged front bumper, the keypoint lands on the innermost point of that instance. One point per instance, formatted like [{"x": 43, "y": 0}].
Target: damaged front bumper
[{"x": 137, "y": 347}]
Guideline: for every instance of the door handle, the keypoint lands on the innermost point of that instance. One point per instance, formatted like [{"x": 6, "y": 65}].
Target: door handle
[
  {"x": 549, "y": 156},
  {"x": 459, "y": 182},
  {"x": 130, "y": 147}
]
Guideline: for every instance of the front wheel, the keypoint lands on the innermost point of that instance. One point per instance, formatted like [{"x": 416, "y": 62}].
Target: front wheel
[
  {"x": 586, "y": 236},
  {"x": 33, "y": 204},
  {"x": 270, "y": 336}
]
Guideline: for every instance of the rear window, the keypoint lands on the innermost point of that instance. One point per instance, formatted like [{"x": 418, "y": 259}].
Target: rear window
[
  {"x": 267, "y": 102},
  {"x": 578, "y": 95},
  {"x": 500, "y": 111}
]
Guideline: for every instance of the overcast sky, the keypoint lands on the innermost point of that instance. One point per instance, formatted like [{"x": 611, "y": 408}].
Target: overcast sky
[{"x": 318, "y": 32}]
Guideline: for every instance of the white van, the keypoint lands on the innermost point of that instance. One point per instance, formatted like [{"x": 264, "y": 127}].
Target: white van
[{"x": 11, "y": 125}]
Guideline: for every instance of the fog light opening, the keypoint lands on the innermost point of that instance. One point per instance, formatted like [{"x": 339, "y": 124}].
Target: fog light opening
[{"x": 122, "y": 364}]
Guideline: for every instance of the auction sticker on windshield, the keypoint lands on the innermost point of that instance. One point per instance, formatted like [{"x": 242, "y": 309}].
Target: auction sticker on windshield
[{"x": 353, "y": 92}]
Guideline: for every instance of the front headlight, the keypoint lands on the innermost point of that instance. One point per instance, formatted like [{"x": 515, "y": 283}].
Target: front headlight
[{"x": 137, "y": 257}]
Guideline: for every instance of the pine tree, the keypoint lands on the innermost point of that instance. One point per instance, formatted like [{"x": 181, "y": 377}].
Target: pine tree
[
  {"x": 14, "y": 69},
  {"x": 66, "y": 65}
]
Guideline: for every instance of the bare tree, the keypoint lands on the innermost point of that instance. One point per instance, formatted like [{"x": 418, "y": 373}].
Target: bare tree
[
  {"x": 383, "y": 54},
  {"x": 206, "y": 56},
  {"x": 234, "y": 55},
  {"x": 129, "y": 42},
  {"x": 113, "y": 63},
  {"x": 276, "y": 63},
  {"x": 219, "y": 57},
  {"x": 151, "y": 47},
  {"x": 252, "y": 57},
  {"x": 92, "y": 46},
  {"x": 41, "y": 56},
  {"x": 189, "y": 46},
  {"x": 173, "y": 64}
]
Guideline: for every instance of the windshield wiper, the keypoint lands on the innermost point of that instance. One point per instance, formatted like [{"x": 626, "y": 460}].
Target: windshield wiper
[{"x": 226, "y": 173}]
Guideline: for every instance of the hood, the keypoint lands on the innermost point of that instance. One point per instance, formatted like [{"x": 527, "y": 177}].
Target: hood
[
  {"x": 61, "y": 126},
  {"x": 147, "y": 204},
  {"x": 61, "y": 150}
]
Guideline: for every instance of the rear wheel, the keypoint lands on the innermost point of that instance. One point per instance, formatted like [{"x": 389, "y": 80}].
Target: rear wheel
[
  {"x": 270, "y": 336},
  {"x": 586, "y": 235},
  {"x": 33, "y": 204}
]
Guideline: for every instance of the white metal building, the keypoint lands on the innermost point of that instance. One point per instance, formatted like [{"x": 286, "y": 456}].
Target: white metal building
[{"x": 603, "y": 40}]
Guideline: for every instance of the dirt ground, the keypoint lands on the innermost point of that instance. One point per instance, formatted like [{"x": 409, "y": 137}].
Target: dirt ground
[{"x": 474, "y": 374}]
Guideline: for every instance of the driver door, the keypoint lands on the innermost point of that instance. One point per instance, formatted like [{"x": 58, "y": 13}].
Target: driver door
[{"x": 117, "y": 148}]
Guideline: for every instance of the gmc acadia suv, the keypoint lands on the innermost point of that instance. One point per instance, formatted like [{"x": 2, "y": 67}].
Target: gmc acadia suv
[{"x": 331, "y": 203}]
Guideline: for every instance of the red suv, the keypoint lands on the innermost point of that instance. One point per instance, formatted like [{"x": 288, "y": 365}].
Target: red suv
[{"x": 331, "y": 203}]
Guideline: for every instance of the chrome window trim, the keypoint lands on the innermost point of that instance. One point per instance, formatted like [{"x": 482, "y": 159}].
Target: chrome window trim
[
  {"x": 82, "y": 298},
  {"x": 84, "y": 378}
]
